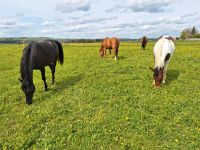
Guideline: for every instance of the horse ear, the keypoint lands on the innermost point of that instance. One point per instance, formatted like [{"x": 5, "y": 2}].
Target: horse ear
[{"x": 20, "y": 80}]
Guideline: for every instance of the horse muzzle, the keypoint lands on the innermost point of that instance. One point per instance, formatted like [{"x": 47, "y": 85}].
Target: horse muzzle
[{"x": 29, "y": 99}]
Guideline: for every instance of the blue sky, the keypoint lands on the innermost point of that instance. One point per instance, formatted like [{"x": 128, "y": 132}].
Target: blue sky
[{"x": 97, "y": 18}]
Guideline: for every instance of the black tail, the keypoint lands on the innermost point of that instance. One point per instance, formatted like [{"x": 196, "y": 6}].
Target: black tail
[{"x": 61, "y": 55}]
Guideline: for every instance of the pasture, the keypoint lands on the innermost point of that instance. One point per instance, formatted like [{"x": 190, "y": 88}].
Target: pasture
[{"x": 102, "y": 103}]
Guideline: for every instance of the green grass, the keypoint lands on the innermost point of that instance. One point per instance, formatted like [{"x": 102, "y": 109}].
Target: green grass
[{"x": 102, "y": 103}]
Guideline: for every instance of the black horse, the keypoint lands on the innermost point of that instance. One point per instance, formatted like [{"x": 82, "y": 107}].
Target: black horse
[{"x": 37, "y": 55}]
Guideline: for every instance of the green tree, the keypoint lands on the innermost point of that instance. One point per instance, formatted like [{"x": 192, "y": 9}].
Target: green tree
[
  {"x": 194, "y": 31},
  {"x": 183, "y": 35}
]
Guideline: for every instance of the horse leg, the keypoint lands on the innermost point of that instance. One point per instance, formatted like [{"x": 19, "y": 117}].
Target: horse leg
[
  {"x": 44, "y": 78},
  {"x": 110, "y": 51},
  {"x": 154, "y": 67},
  {"x": 53, "y": 69},
  {"x": 116, "y": 53},
  {"x": 165, "y": 72},
  {"x": 104, "y": 52}
]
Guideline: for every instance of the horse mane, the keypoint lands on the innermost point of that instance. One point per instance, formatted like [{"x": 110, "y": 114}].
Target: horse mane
[
  {"x": 101, "y": 47},
  {"x": 159, "y": 38},
  {"x": 24, "y": 70},
  {"x": 168, "y": 38}
]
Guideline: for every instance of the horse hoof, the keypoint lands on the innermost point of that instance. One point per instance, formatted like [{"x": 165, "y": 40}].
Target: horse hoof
[{"x": 28, "y": 103}]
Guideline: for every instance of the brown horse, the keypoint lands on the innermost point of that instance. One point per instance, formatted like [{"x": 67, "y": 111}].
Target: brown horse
[
  {"x": 144, "y": 41},
  {"x": 109, "y": 43}
]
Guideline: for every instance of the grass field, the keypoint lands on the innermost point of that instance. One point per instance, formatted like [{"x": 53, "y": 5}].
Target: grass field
[{"x": 102, "y": 103}]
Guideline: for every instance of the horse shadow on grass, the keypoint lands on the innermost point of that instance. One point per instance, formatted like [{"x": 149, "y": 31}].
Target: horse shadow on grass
[
  {"x": 121, "y": 57},
  {"x": 172, "y": 75},
  {"x": 59, "y": 86},
  {"x": 146, "y": 49},
  {"x": 67, "y": 82}
]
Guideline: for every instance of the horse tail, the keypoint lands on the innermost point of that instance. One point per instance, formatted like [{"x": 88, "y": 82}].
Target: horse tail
[
  {"x": 61, "y": 54},
  {"x": 118, "y": 43}
]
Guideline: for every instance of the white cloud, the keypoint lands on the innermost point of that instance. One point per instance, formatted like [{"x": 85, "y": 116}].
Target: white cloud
[
  {"x": 73, "y": 5},
  {"x": 48, "y": 23},
  {"x": 148, "y": 5},
  {"x": 7, "y": 23},
  {"x": 145, "y": 27},
  {"x": 10, "y": 23},
  {"x": 89, "y": 18}
]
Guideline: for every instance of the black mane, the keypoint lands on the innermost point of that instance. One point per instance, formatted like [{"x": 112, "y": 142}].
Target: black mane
[{"x": 24, "y": 70}]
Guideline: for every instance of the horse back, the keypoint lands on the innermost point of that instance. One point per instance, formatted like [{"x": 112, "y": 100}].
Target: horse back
[
  {"x": 43, "y": 54},
  {"x": 162, "y": 48},
  {"x": 144, "y": 40},
  {"x": 112, "y": 43}
]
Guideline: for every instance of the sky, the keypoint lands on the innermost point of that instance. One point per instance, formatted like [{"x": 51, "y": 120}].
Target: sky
[{"x": 97, "y": 18}]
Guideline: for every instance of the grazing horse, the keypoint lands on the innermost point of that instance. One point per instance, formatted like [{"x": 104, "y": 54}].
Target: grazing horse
[
  {"x": 163, "y": 50},
  {"x": 37, "y": 55},
  {"x": 144, "y": 41},
  {"x": 109, "y": 43}
]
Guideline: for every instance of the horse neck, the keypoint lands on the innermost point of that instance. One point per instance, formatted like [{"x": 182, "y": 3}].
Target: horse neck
[
  {"x": 25, "y": 68},
  {"x": 22, "y": 70},
  {"x": 101, "y": 48},
  {"x": 158, "y": 52}
]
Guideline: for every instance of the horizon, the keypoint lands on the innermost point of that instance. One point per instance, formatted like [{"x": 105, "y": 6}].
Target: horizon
[
  {"x": 74, "y": 38},
  {"x": 87, "y": 19}
]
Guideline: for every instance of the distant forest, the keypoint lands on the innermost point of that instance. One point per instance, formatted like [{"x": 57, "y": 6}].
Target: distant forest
[{"x": 24, "y": 40}]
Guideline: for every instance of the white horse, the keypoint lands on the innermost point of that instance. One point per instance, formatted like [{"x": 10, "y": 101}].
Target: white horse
[{"x": 163, "y": 50}]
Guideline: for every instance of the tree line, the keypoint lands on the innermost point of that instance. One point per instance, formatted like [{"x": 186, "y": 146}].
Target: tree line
[
  {"x": 25, "y": 40},
  {"x": 188, "y": 33}
]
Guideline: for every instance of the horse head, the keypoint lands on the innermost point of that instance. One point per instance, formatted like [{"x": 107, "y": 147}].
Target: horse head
[
  {"x": 28, "y": 88},
  {"x": 158, "y": 75},
  {"x": 101, "y": 52}
]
